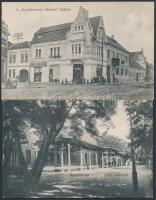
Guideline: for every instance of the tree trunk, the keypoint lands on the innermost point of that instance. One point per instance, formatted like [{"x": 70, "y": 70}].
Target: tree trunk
[
  {"x": 5, "y": 165},
  {"x": 40, "y": 160}
]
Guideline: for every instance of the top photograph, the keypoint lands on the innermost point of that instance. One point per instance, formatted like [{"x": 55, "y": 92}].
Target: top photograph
[{"x": 77, "y": 50}]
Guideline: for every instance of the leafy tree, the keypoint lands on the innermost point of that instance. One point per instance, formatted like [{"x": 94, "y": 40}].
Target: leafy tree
[
  {"x": 49, "y": 118},
  {"x": 141, "y": 116}
]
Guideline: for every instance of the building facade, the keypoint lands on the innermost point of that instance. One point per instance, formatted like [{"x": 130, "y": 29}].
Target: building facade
[
  {"x": 19, "y": 61},
  {"x": 76, "y": 52},
  {"x": 67, "y": 155},
  {"x": 4, "y": 48}
]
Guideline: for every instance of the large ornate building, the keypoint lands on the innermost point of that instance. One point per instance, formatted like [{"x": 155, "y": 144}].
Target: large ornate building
[{"x": 74, "y": 52}]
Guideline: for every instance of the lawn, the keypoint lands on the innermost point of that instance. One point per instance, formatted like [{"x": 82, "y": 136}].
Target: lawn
[
  {"x": 100, "y": 183},
  {"x": 58, "y": 91}
]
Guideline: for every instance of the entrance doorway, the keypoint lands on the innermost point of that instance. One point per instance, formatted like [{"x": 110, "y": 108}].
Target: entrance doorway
[
  {"x": 99, "y": 72},
  {"x": 78, "y": 73},
  {"x": 23, "y": 75},
  {"x": 108, "y": 74}
]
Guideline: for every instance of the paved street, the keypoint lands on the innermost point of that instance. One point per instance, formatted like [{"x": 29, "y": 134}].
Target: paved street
[{"x": 121, "y": 91}]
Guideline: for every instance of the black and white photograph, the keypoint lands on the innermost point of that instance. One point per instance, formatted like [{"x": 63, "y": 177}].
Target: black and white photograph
[
  {"x": 77, "y": 149},
  {"x": 77, "y": 85},
  {"x": 77, "y": 50}
]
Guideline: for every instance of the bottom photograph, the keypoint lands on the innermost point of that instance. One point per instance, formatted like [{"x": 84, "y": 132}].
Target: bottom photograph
[{"x": 77, "y": 149}]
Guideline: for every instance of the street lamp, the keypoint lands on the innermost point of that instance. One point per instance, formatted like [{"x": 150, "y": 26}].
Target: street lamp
[{"x": 134, "y": 172}]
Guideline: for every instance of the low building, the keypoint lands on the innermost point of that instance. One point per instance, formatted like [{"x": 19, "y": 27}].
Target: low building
[
  {"x": 19, "y": 61},
  {"x": 75, "y": 52},
  {"x": 69, "y": 154}
]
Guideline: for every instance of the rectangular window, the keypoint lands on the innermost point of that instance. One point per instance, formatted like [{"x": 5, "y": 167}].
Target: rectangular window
[
  {"x": 75, "y": 28},
  {"x": 14, "y": 73},
  {"x": 79, "y": 48},
  {"x": 28, "y": 156},
  {"x": 126, "y": 72},
  {"x": 79, "y": 27},
  {"x": 22, "y": 58},
  {"x": 75, "y": 48},
  {"x": 51, "y": 52},
  {"x": 58, "y": 51},
  {"x": 82, "y": 27},
  {"x": 26, "y": 57},
  {"x": 9, "y": 73},
  {"x": 108, "y": 53},
  {"x": 14, "y": 58},
  {"x": 37, "y": 74},
  {"x": 122, "y": 71},
  {"x": 117, "y": 71},
  {"x": 113, "y": 54},
  {"x": 10, "y": 58},
  {"x": 72, "y": 48},
  {"x": 38, "y": 53},
  {"x": 54, "y": 52},
  {"x": 117, "y": 55}
]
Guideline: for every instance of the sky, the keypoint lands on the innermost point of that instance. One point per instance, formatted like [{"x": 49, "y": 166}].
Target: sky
[
  {"x": 132, "y": 23},
  {"x": 120, "y": 125}
]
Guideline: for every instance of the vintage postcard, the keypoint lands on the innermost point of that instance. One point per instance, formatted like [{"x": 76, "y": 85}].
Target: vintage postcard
[
  {"x": 77, "y": 82},
  {"x": 77, "y": 50}
]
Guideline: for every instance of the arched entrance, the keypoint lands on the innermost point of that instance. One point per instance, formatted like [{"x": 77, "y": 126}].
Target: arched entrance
[
  {"x": 23, "y": 75},
  {"x": 78, "y": 73}
]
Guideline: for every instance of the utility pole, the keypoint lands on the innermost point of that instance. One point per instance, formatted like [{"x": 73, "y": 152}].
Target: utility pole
[
  {"x": 102, "y": 56},
  {"x": 134, "y": 172}
]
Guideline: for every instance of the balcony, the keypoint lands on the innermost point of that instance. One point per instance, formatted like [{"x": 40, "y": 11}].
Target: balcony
[
  {"x": 76, "y": 56},
  {"x": 55, "y": 57}
]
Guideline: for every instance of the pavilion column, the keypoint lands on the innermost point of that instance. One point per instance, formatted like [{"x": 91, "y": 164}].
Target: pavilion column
[
  {"x": 81, "y": 158},
  {"x": 90, "y": 162},
  {"x": 107, "y": 158},
  {"x": 55, "y": 158},
  {"x": 69, "y": 159},
  {"x": 62, "y": 159},
  {"x": 96, "y": 160},
  {"x": 102, "y": 161}
]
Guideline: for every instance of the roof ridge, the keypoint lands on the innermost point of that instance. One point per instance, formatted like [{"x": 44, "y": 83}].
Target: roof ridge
[{"x": 41, "y": 28}]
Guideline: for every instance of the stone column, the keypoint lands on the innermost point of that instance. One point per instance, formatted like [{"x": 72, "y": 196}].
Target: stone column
[
  {"x": 107, "y": 158},
  {"x": 96, "y": 160},
  {"x": 81, "y": 159},
  {"x": 69, "y": 159},
  {"x": 62, "y": 160}
]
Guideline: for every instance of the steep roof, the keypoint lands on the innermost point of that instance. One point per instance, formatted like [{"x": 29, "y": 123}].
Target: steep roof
[
  {"x": 112, "y": 42},
  {"x": 58, "y": 32},
  {"x": 20, "y": 45},
  {"x": 95, "y": 21}
]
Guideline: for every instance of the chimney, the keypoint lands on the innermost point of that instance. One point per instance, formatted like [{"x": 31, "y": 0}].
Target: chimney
[{"x": 112, "y": 37}]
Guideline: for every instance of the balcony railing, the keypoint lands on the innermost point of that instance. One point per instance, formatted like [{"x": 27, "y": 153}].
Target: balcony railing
[
  {"x": 55, "y": 57},
  {"x": 76, "y": 56}
]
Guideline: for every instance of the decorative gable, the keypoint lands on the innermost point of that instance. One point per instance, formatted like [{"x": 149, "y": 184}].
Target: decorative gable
[{"x": 101, "y": 31}]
